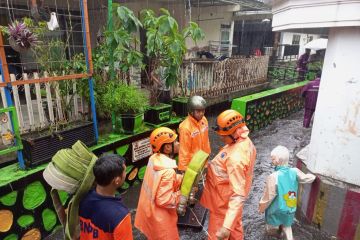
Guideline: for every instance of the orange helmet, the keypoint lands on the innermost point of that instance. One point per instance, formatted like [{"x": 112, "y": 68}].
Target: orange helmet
[
  {"x": 160, "y": 136},
  {"x": 228, "y": 121}
]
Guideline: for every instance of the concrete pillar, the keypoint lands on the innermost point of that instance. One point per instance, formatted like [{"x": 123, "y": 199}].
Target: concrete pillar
[
  {"x": 335, "y": 142},
  {"x": 332, "y": 202}
]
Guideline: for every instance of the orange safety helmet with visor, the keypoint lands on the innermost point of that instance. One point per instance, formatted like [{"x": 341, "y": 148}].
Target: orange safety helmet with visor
[
  {"x": 228, "y": 121},
  {"x": 160, "y": 136}
]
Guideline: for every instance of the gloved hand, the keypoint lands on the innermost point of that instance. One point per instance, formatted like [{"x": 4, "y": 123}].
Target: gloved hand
[
  {"x": 192, "y": 199},
  {"x": 223, "y": 233},
  {"x": 181, "y": 209}
]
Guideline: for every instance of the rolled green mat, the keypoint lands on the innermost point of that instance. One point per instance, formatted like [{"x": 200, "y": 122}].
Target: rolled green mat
[
  {"x": 78, "y": 160},
  {"x": 72, "y": 225},
  {"x": 75, "y": 160},
  {"x": 65, "y": 164},
  {"x": 71, "y": 166},
  {"x": 82, "y": 150},
  {"x": 194, "y": 168}
]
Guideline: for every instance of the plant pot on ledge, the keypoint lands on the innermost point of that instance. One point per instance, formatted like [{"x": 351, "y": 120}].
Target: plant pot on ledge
[
  {"x": 179, "y": 106},
  {"x": 40, "y": 147},
  {"x": 158, "y": 114},
  {"x": 129, "y": 123}
]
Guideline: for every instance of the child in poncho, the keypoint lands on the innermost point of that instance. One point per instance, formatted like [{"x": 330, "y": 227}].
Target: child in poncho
[{"x": 280, "y": 195}]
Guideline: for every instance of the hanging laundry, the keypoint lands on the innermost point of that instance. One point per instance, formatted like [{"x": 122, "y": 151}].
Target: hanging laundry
[{"x": 53, "y": 23}]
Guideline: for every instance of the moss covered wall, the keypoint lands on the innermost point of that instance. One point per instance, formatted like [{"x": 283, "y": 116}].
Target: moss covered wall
[{"x": 261, "y": 109}]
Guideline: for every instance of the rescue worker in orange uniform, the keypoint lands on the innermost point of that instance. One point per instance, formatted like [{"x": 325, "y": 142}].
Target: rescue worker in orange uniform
[
  {"x": 194, "y": 132},
  {"x": 229, "y": 177},
  {"x": 156, "y": 215}
]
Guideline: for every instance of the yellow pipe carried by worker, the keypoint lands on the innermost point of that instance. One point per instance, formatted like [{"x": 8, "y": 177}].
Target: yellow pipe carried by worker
[{"x": 191, "y": 179}]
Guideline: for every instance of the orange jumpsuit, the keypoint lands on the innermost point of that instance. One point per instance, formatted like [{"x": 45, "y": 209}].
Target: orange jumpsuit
[
  {"x": 194, "y": 136},
  {"x": 156, "y": 215},
  {"x": 228, "y": 184}
]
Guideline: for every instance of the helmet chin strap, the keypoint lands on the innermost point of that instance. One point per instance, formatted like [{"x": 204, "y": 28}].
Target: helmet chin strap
[
  {"x": 172, "y": 149},
  {"x": 233, "y": 138}
]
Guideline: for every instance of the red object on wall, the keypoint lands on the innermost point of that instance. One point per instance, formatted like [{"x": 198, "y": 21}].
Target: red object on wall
[
  {"x": 257, "y": 52},
  {"x": 312, "y": 199},
  {"x": 350, "y": 216}
]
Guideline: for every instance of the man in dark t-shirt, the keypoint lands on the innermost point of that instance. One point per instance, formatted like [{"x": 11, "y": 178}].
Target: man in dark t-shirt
[{"x": 102, "y": 215}]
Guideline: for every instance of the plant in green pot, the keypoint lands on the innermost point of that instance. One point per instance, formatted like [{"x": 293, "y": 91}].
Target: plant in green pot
[
  {"x": 165, "y": 51},
  {"x": 127, "y": 103},
  {"x": 121, "y": 42}
]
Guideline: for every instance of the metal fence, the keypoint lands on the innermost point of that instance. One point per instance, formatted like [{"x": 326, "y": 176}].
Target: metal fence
[{"x": 212, "y": 78}]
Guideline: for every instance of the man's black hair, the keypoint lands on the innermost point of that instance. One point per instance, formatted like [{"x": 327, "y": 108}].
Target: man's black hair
[{"x": 107, "y": 167}]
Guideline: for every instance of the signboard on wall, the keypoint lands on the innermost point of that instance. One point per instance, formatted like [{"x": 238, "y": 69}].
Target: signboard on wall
[{"x": 141, "y": 149}]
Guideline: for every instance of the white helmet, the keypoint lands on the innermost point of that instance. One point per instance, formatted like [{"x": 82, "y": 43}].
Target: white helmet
[{"x": 196, "y": 103}]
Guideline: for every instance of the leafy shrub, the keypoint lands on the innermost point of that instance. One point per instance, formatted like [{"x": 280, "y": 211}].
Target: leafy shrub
[{"x": 123, "y": 98}]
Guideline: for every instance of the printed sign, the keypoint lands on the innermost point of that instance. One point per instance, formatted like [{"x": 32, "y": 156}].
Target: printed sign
[{"x": 141, "y": 149}]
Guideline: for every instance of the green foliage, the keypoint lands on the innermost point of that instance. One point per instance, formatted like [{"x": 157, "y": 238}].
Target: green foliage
[
  {"x": 122, "y": 38},
  {"x": 123, "y": 98},
  {"x": 22, "y": 33},
  {"x": 166, "y": 44},
  {"x": 52, "y": 57}
]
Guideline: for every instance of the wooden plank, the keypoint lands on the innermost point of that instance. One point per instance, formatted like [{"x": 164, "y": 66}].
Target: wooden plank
[
  {"x": 17, "y": 103},
  {"x": 3, "y": 97},
  {"x": 58, "y": 101},
  {"x": 39, "y": 102},
  {"x": 29, "y": 103},
  {"x": 49, "y": 100},
  {"x": 49, "y": 79},
  {"x": 68, "y": 103},
  {"x": 82, "y": 107},
  {"x": 76, "y": 103}
]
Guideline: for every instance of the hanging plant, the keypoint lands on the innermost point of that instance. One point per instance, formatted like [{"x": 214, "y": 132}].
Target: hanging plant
[{"x": 21, "y": 39}]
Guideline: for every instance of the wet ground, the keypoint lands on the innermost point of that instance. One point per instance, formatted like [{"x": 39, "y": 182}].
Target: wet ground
[{"x": 287, "y": 132}]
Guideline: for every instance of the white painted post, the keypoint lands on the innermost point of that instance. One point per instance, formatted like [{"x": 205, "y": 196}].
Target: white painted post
[
  {"x": 49, "y": 100},
  {"x": 39, "y": 102},
  {"x": 17, "y": 103},
  {"x": 76, "y": 104},
  {"x": 69, "y": 112},
  {"x": 29, "y": 103},
  {"x": 58, "y": 101}
]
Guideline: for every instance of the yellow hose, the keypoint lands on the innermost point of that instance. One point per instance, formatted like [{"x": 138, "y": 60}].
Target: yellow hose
[{"x": 191, "y": 179}]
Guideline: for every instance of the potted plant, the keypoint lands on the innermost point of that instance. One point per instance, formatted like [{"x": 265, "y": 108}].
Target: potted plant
[
  {"x": 42, "y": 143},
  {"x": 120, "y": 42},
  {"x": 127, "y": 103},
  {"x": 165, "y": 50},
  {"x": 20, "y": 37}
]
